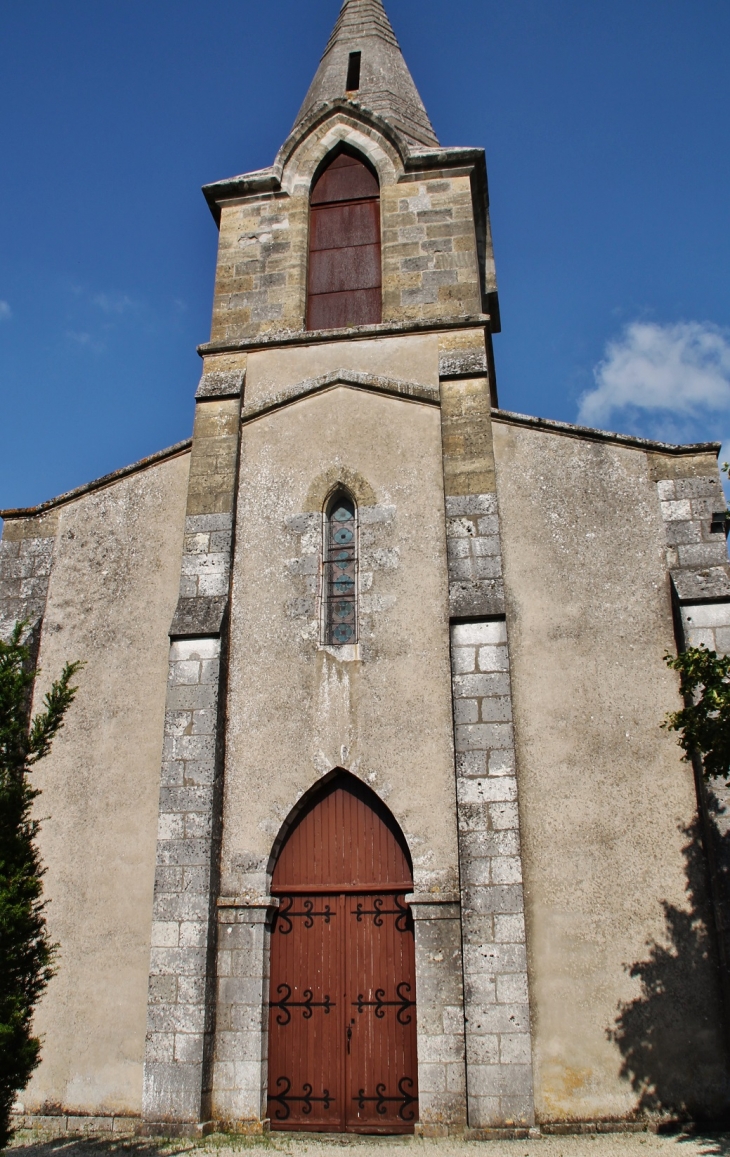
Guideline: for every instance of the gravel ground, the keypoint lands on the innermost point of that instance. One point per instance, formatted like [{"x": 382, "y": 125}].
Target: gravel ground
[{"x": 604, "y": 1145}]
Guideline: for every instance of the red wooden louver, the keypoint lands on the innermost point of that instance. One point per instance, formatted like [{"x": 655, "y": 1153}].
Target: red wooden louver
[{"x": 344, "y": 247}]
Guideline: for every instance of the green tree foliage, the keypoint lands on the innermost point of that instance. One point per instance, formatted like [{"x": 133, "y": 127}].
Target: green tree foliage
[
  {"x": 704, "y": 722},
  {"x": 26, "y": 951}
]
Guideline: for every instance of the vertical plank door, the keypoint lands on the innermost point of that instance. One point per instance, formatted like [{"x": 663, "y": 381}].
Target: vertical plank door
[
  {"x": 306, "y": 1014},
  {"x": 381, "y": 1062},
  {"x": 342, "y": 1013}
]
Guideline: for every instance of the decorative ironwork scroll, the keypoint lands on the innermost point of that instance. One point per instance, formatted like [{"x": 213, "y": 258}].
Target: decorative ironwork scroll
[
  {"x": 284, "y": 1004},
  {"x": 380, "y": 1003},
  {"x": 285, "y": 915},
  {"x": 381, "y": 1100},
  {"x": 306, "y": 1101},
  {"x": 402, "y": 911},
  {"x": 340, "y": 566}
]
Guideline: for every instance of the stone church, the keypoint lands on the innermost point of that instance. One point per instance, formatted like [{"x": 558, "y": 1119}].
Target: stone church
[{"x": 363, "y": 819}]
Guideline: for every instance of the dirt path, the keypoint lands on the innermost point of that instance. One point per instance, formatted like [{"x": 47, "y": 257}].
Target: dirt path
[{"x": 289, "y": 1145}]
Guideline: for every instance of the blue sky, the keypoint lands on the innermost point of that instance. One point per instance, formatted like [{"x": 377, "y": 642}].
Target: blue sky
[{"x": 606, "y": 128}]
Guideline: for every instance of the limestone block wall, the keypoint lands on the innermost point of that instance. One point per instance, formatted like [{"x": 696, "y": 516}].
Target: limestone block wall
[
  {"x": 26, "y": 558},
  {"x": 180, "y": 1009},
  {"x": 619, "y": 924},
  {"x": 180, "y": 1013},
  {"x": 496, "y": 1000},
  {"x": 688, "y": 505},
  {"x": 241, "y": 1045},
  {"x": 430, "y": 257},
  {"x": 430, "y": 267},
  {"x": 262, "y": 262},
  {"x": 441, "y": 1049}
]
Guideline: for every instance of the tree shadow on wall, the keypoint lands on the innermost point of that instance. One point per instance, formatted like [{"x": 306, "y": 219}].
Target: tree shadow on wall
[{"x": 672, "y": 1035}]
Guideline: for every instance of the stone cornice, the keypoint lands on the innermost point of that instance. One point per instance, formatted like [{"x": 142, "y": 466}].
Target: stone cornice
[
  {"x": 586, "y": 433},
  {"x": 99, "y": 483},
  {"x": 354, "y": 333},
  {"x": 394, "y": 387}
]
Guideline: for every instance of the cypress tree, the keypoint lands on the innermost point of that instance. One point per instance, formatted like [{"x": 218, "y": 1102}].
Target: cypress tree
[{"x": 26, "y": 951}]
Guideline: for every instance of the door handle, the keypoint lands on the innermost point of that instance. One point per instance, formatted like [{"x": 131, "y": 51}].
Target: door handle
[{"x": 348, "y": 1034}]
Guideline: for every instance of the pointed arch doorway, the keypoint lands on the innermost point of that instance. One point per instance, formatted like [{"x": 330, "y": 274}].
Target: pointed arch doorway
[{"x": 342, "y": 1013}]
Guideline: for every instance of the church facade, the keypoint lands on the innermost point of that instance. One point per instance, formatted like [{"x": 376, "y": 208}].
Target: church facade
[{"x": 363, "y": 819}]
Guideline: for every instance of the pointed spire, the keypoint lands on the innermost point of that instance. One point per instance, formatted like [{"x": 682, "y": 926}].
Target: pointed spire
[{"x": 385, "y": 86}]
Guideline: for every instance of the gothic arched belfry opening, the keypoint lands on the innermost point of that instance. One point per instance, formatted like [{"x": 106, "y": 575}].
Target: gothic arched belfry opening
[{"x": 400, "y": 650}]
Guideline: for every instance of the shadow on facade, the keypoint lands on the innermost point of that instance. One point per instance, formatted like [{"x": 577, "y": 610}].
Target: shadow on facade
[{"x": 672, "y": 1036}]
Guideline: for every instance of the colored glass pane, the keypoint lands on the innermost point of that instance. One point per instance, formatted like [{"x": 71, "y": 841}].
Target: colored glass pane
[{"x": 340, "y": 565}]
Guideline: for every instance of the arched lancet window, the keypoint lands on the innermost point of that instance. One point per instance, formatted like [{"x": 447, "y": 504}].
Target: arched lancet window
[
  {"x": 340, "y": 570},
  {"x": 344, "y": 286}
]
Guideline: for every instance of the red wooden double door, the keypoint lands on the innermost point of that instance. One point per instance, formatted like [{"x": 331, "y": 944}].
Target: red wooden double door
[{"x": 342, "y": 1017}]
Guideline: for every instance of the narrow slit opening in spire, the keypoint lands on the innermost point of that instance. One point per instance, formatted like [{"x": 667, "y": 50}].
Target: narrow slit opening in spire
[{"x": 353, "y": 72}]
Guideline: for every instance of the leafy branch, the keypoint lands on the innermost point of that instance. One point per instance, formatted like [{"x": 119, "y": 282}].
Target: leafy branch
[
  {"x": 26, "y": 950},
  {"x": 704, "y": 722}
]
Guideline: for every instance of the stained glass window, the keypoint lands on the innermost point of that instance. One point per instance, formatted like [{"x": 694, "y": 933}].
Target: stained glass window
[{"x": 340, "y": 572}]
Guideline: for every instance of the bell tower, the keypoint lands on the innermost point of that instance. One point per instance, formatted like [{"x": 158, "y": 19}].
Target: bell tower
[{"x": 341, "y": 578}]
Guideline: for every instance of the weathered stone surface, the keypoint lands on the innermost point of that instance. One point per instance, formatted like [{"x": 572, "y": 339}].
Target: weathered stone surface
[
  {"x": 440, "y": 1011},
  {"x": 111, "y": 591},
  {"x": 589, "y": 617},
  {"x": 363, "y": 26},
  {"x": 498, "y": 1043},
  {"x": 711, "y": 584},
  {"x": 180, "y": 1000},
  {"x": 221, "y": 384},
  {"x": 198, "y": 616}
]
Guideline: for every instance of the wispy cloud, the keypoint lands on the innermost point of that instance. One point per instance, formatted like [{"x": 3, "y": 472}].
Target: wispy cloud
[
  {"x": 114, "y": 303},
  {"x": 5, "y": 311},
  {"x": 670, "y": 382}
]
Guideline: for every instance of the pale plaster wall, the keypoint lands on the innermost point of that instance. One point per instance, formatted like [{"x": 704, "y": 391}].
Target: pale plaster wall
[
  {"x": 295, "y": 711},
  {"x": 410, "y": 359},
  {"x": 111, "y": 598},
  {"x": 605, "y": 800}
]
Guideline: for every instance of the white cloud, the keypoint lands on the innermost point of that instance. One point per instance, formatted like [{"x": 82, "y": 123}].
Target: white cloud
[
  {"x": 114, "y": 302},
  {"x": 5, "y": 311},
  {"x": 663, "y": 381}
]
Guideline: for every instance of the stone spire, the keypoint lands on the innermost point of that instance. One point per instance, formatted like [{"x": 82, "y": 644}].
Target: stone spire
[{"x": 385, "y": 86}]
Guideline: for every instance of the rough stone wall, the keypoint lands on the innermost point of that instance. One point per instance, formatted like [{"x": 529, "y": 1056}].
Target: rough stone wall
[
  {"x": 180, "y": 1015},
  {"x": 496, "y": 1002},
  {"x": 241, "y": 1046},
  {"x": 26, "y": 558},
  {"x": 440, "y": 1014},
  {"x": 430, "y": 267},
  {"x": 620, "y": 950},
  {"x": 262, "y": 262},
  {"x": 429, "y": 244},
  {"x": 205, "y": 572},
  {"x": 111, "y": 594},
  {"x": 180, "y": 1009}
]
